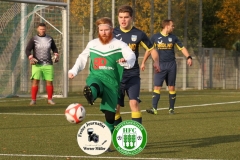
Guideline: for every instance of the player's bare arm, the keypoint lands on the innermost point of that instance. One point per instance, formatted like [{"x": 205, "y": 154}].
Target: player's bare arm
[
  {"x": 187, "y": 55},
  {"x": 155, "y": 58},
  {"x": 146, "y": 55}
]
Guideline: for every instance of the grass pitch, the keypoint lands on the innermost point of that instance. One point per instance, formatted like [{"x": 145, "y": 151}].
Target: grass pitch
[{"x": 205, "y": 126}]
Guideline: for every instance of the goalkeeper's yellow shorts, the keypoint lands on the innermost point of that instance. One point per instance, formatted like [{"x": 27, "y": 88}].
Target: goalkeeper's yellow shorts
[{"x": 46, "y": 72}]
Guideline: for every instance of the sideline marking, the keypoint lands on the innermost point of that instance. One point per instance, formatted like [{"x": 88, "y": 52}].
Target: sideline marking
[{"x": 197, "y": 105}]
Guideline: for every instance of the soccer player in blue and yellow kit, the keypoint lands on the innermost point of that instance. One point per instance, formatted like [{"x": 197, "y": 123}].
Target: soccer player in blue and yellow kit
[
  {"x": 164, "y": 42},
  {"x": 130, "y": 83}
]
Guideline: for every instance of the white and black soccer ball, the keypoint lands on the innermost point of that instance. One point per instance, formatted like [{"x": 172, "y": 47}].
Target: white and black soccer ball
[{"x": 75, "y": 113}]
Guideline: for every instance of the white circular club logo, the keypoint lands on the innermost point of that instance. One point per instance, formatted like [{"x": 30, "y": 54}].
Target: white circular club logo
[
  {"x": 94, "y": 137},
  {"x": 129, "y": 137}
]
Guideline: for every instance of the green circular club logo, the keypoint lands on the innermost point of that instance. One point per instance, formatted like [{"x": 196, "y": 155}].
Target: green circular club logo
[{"x": 129, "y": 137}]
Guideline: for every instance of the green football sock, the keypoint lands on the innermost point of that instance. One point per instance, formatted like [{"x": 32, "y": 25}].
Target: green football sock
[{"x": 110, "y": 126}]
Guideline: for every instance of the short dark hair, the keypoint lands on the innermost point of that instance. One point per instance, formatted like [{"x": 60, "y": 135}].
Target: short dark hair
[
  {"x": 41, "y": 24},
  {"x": 166, "y": 22},
  {"x": 125, "y": 8}
]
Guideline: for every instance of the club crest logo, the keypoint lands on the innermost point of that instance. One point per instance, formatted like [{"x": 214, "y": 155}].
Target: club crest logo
[
  {"x": 94, "y": 137},
  {"x": 134, "y": 38},
  {"x": 129, "y": 138},
  {"x": 111, "y": 46},
  {"x": 170, "y": 39}
]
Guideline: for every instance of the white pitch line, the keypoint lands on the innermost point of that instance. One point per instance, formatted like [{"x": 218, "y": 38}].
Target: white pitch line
[
  {"x": 39, "y": 114},
  {"x": 93, "y": 157},
  {"x": 197, "y": 105}
]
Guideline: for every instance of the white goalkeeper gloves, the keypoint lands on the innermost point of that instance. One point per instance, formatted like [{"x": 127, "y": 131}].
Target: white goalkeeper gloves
[
  {"x": 55, "y": 58},
  {"x": 32, "y": 60}
]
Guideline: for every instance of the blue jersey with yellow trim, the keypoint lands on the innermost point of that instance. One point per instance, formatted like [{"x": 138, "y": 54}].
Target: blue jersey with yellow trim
[
  {"x": 165, "y": 46},
  {"x": 134, "y": 38}
]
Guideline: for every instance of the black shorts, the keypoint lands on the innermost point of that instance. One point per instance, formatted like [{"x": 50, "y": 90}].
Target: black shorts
[
  {"x": 131, "y": 86},
  {"x": 168, "y": 72}
]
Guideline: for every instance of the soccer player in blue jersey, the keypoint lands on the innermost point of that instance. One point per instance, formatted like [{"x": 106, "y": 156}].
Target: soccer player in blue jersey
[
  {"x": 164, "y": 42},
  {"x": 130, "y": 83}
]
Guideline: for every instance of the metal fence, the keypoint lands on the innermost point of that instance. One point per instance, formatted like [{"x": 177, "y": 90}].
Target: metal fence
[
  {"x": 212, "y": 67},
  {"x": 214, "y": 70}
]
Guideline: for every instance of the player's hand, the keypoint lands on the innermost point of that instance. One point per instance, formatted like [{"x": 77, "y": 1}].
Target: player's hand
[
  {"x": 70, "y": 76},
  {"x": 156, "y": 66},
  {"x": 189, "y": 62},
  {"x": 121, "y": 60},
  {"x": 32, "y": 60},
  {"x": 142, "y": 67},
  {"x": 55, "y": 58}
]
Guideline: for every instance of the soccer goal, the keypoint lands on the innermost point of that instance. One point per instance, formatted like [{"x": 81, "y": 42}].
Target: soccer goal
[{"x": 18, "y": 20}]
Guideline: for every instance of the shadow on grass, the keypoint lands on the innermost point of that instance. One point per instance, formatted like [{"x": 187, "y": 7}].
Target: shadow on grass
[
  {"x": 195, "y": 143},
  {"x": 36, "y": 127},
  {"x": 25, "y": 108},
  {"x": 161, "y": 152},
  {"x": 216, "y": 111}
]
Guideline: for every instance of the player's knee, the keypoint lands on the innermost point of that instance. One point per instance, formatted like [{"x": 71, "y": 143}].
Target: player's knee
[
  {"x": 158, "y": 88},
  {"x": 134, "y": 105},
  {"x": 133, "y": 102},
  {"x": 171, "y": 88},
  {"x": 35, "y": 82},
  {"x": 109, "y": 116},
  {"x": 49, "y": 83}
]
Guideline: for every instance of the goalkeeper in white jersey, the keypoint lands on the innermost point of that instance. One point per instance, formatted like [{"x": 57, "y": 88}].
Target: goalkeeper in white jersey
[{"x": 108, "y": 58}]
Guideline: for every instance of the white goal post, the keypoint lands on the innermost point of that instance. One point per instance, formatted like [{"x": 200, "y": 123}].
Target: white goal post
[{"x": 18, "y": 17}]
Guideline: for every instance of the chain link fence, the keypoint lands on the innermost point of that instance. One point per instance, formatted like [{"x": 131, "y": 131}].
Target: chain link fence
[{"x": 212, "y": 67}]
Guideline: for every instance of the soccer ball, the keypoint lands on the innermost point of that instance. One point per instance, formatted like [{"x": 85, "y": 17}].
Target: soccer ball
[{"x": 75, "y": 113}]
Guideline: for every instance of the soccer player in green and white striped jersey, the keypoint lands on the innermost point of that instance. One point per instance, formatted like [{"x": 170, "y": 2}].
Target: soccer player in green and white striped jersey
[{"x": 108, "y": 58}]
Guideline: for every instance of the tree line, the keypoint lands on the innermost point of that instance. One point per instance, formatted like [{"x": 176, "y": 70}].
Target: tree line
[{"x": 219, "y": 20}]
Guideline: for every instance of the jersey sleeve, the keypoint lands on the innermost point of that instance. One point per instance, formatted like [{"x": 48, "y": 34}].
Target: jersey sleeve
[
  {"x": 54, "y": 47},
  {"x": 30, "y": 47},
  {"x": 146, "y": 43},
  {"x": 178, "y": 44},
  {"x": 129, "y": 56},
  {"x": 81, "y": 61},
  {"x": 153, "y": 41}
]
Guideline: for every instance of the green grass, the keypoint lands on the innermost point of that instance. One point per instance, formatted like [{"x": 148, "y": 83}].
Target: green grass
[{"x": 196, "y": 131}]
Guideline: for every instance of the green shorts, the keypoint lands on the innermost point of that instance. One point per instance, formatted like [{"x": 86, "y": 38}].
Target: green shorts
[
  {"x": 108, "y": 94},
  {"x": 44, "y": 71}
]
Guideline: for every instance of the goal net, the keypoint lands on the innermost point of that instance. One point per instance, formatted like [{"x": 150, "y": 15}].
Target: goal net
[{"x": 17, "y": 26}]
